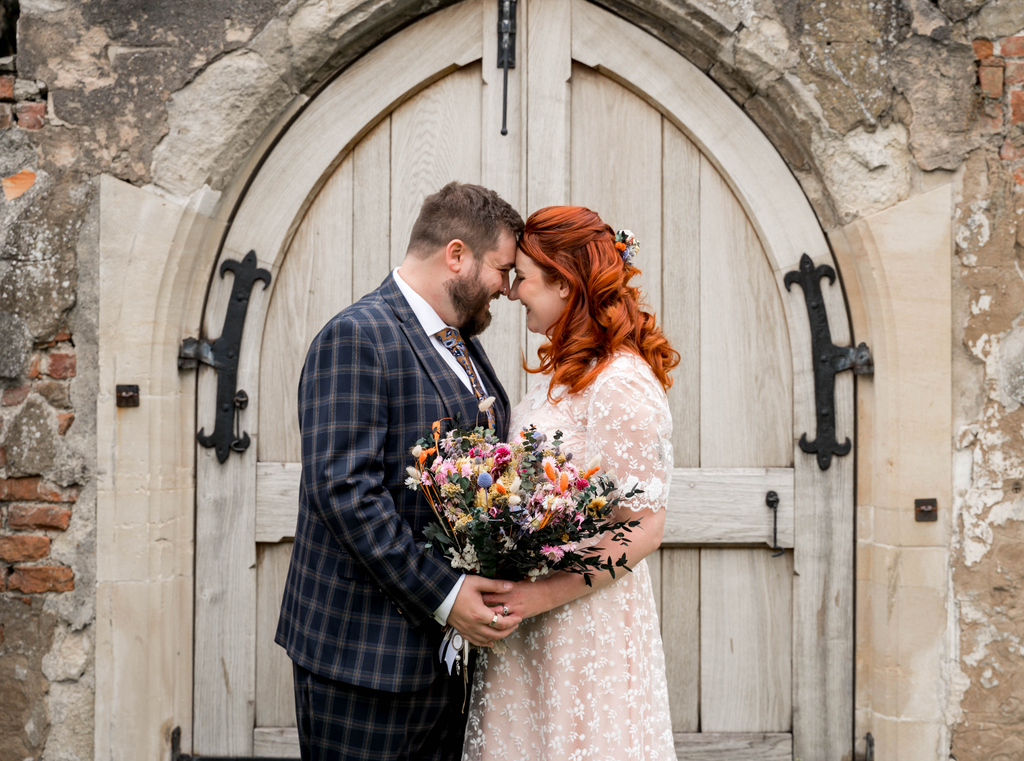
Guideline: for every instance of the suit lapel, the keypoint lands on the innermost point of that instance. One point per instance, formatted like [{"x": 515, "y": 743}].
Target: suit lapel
[{"x": 450, "y": 389}]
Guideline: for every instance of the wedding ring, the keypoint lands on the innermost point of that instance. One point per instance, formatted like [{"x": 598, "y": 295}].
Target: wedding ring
[
  {"x": 504, "y": 610},
  {"x": 493, "y": 621}
]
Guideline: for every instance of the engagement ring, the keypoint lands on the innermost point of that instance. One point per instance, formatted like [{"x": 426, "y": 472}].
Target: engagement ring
[{"x": 504, "y": 610}]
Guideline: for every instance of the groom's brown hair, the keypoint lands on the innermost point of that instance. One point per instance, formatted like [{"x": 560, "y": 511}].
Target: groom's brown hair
[{"x": 471, "y": 213}]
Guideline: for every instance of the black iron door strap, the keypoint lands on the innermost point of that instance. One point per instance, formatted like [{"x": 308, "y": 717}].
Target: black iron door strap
[
  {"x": 506, "y": 50},
  {"x": 828, "y": 359},
  {"x": 222, "y": 355}
]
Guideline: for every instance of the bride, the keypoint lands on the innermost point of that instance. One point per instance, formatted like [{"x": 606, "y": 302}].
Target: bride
[{"x": 584, "y": 675}]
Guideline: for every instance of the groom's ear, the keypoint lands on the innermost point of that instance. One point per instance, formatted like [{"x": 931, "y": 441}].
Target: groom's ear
[{"x": 456, "y": 254}]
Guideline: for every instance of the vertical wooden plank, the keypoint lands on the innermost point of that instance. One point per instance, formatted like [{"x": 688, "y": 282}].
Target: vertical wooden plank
[
  {"x": 746, "y": 397},
  {"x": 681, "y": 276},
  {"x": 435, "y": 138},
  {"x": 745, "y": 421},
  {"x": 548, "y": 69},
  {"x": 314, "y": 284},
  {"x": 371, "y": 210},
  {"x": 823, "y": 587},
  {"x": 746, "y": 679},
  {"x": 503, "y": 168},
  {"x": 680, "y": 631},
  {"x": 224, "y": 678},
  {"x": 616, "y": 166},
  {"x": 275, "y": 698}
]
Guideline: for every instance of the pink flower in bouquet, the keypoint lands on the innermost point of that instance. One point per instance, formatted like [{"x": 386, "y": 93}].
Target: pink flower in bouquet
[
  {"x": 551, "y": 552},
  {"x": 443, "y": 469},
  {"x": 467, "y": 471},
  {"x": 502, "y": 455},
  {"x": 582, "y": 483}
]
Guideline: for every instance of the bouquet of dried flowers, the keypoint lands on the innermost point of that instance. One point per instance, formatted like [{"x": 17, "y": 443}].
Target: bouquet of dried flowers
[{"x": 516, "y": 510}]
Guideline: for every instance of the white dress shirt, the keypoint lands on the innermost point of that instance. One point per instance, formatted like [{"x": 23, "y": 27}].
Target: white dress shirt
[{"x": 432, "y": 323}]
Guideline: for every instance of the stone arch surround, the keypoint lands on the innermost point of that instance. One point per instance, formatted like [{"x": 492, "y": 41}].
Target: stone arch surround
[
  {"x": 177, "y": 230},
  {"x": 780, "y": 104}
]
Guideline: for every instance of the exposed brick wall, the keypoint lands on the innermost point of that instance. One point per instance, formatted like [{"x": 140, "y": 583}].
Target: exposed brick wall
[
  {"x": 36, "y": 409},
  {"x": 22, "y": 102},
  {"x": 31, "y": 508},
  {"x": 1001, "y": 82},
  {"x": 31, "y": 512}
]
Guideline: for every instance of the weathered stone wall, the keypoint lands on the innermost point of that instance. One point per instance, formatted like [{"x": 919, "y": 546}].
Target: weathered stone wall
[
  {"x": 86, "y": 94},
  {"x": 868, "y": 103},
  {"x": 988, "y": 699}
]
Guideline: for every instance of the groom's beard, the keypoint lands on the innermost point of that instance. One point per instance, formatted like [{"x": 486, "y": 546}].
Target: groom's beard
[{"x": 470, "y": 300}]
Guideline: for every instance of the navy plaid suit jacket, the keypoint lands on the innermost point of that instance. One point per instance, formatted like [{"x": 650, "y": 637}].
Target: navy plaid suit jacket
[{"x": 361, "y": 591}]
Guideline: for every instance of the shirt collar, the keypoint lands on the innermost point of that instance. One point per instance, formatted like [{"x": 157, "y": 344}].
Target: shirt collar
[{"x": 428, "y": 318}]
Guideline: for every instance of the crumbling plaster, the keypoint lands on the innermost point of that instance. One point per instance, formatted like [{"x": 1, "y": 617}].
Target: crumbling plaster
[
  {"x": 868, "y": 104},
  {"x": 988, "y": 572}
]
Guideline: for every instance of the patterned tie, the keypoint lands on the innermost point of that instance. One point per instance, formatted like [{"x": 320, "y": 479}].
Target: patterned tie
[{"x": 452, "y": 341}]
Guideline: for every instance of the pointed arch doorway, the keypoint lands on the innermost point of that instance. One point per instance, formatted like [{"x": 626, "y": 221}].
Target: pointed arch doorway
[{"x": 759, "y": 647}]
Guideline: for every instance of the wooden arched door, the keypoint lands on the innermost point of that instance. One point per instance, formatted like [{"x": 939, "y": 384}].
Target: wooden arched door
[{"x": 759, "y": 647}]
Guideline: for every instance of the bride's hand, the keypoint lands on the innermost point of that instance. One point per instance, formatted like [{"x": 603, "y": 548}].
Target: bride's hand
[{"x": 526, "y": 599}]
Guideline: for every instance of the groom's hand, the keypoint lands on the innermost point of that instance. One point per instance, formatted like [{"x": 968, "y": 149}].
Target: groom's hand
[{"x": 471, "y": 617}]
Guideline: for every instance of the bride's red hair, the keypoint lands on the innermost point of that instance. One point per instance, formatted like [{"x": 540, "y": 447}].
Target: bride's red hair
[{"x": 603, "y": 313}]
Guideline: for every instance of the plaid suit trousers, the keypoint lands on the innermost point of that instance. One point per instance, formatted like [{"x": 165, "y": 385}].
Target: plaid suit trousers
[{"x": 345, "y": 722}]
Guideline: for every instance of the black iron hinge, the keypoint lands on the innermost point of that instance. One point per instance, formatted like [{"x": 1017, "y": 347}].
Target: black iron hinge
[
  {"x": 222, "y": 355},
  {"x": 506, "y": 50},
  {"x": 828, "y": 359}
]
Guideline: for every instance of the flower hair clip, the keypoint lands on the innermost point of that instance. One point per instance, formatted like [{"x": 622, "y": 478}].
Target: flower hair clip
[{"x": 627, "y": 245}]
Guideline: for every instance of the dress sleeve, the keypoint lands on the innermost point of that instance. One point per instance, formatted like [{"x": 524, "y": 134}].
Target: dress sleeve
[{"x": 630, "y": 425}]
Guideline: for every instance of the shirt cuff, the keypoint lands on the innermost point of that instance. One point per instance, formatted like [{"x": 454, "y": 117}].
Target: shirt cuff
[{"x": 441, "y": 614}]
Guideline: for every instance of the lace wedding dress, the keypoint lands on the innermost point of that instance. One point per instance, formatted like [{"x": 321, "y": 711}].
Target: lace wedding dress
[{"x": 587, "y": 680}]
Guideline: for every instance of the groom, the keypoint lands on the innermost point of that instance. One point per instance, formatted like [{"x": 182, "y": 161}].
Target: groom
[{"x": 364, "y": 604}]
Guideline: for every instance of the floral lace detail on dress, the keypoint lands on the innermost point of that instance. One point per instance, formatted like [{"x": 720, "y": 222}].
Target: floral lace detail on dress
[
  {"x": 586, "y": 681},
  {"x": 624, "y": 416}
]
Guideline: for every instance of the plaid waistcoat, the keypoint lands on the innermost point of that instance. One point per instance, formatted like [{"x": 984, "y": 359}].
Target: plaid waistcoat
[{"x": 361, "y": 591}]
